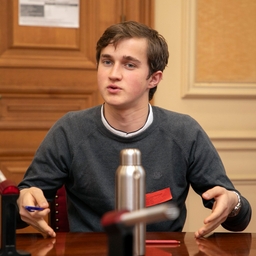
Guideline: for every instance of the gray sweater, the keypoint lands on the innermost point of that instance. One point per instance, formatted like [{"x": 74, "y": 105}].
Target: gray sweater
[{"x": 81, "y": 153}]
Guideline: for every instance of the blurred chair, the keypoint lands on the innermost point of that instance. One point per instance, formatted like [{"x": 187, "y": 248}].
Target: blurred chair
[{"x": 59, "y": 214}]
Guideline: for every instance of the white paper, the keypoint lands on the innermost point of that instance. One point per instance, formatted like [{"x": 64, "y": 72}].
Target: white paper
[{"x": 49, "y": 13}]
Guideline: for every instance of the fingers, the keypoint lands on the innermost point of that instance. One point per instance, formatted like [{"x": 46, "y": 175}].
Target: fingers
[
  {"x": 36, "y": 220},
  {"x": 208, "y": 228},
  {"x": 39, "y": 196},
  {"x": 216, "y": 214},
  {"x": 32, "y": 196},
  {"x": 35, "y": 197},
  {"x": 213, "y": 193},
  {"x": 224, "y": 201},
  {"x": 41, "y": 225},
  {"x": 44, "y": 228}
]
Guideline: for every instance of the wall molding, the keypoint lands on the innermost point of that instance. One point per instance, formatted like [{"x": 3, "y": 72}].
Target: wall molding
[
  {"x": 237, "y": 144},
  {"x": 233, "y": 140},
  {"x": 189, "y": 87}
]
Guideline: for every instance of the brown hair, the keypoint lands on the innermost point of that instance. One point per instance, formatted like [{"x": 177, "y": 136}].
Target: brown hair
[{"x": 157, "y": 51}]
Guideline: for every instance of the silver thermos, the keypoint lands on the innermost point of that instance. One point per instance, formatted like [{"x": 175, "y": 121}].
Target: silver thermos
[{"x": 130, "y": 191}]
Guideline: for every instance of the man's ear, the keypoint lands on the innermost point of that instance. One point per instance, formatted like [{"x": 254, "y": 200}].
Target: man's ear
[{"x": 155, "y": 79}]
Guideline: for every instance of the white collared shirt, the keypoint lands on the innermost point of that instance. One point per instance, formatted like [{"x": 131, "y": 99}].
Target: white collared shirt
[{"x": 125, "y": 134}]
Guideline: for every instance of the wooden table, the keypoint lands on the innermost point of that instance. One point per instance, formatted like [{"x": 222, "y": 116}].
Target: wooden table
[{"x": 224, "y": 244}]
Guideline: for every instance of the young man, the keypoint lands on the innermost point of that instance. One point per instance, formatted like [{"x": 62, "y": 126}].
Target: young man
[{"x": 82, "y": 149}]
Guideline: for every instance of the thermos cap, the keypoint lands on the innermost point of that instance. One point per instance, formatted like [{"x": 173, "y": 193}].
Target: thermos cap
[{"x": 130, "y": 156}]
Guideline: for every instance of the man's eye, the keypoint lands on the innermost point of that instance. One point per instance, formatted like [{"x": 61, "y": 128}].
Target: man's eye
[
  {"x": 106, "y": 62},
  {"x": 130, "y": 65}
]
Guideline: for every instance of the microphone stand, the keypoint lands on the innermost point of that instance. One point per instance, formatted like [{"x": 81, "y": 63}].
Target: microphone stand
[
  {"x": 9, "y": 193},
  {"x": 119, "y": 226}
]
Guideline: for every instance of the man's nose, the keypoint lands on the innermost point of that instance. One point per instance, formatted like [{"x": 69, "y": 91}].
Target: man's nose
[{"x": 115, "y": 72}]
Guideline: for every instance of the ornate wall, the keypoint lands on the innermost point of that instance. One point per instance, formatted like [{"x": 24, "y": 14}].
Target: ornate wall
[{"x": 211, "y": 76}]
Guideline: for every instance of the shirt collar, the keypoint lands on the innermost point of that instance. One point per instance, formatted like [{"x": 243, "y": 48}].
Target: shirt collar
[{"x": 130, "y": 134}]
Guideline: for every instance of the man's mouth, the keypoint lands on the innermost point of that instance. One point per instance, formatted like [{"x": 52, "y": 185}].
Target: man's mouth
[{"x": 113, "y": 88}]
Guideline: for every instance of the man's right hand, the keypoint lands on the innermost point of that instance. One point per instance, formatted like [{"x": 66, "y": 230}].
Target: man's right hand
[{"x": 34, "y": 197}]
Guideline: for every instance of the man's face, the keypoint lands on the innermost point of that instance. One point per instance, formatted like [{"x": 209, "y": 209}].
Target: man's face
[{"x": 123, "y": 72}]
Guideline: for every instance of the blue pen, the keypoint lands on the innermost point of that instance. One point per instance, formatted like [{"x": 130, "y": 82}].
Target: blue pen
[{"x": 33, "y": 208}]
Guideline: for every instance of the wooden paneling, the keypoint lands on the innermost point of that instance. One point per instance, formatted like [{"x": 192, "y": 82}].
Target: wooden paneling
[
  {"x": 41, "y": 107},
  {"x": 141, "y": 10}
]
